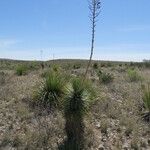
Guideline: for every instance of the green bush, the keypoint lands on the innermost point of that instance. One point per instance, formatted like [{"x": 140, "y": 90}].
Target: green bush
[
  {"x": 77, "y": 66},
  {"x": 33, "y": 66},
  {"x": 56, "y": 68},
  {"x": 105, "y": 77},
  {"x": 95, "y": 66},
  {"x": 146, "y": 63},
  {"x": 133, "y": 75},
  {"x": 21, "y": 70},
  {"x": 52, "y": 91}
]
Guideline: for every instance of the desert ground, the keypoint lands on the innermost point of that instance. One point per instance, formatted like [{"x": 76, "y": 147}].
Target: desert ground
[{"x": 114, "y": 121}]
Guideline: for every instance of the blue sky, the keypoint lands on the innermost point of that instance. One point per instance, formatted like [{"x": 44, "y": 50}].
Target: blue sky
[{"x": 62, "y": 28}]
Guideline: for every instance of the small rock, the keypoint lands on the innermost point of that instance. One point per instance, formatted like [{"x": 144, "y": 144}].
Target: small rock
[
  {"x": 104, "y": 139},
  {"x": 98, "y": 125},
  {"x": 125, "y": 146},
  {"x": 101, "y": 147}
]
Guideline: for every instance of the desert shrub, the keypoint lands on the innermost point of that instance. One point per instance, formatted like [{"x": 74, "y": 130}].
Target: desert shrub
[
  {"x": 146, "y": 101},
  {"x": 133, "y": 75},
  {"x": 51, "y": 91},
  {"x": 21, "y": 70},
  {"x": 146, "y": 63},
  {"x": 95, "y": 66},
  {"x": 131, "y": 64},
  {"x": 45, "y": 73},
  {"x": 103, "y": 64},
  {"x": 104, "y": 126},
  {"x": 76, "y": 66},
  {"x": 105, "y": 77},
  {"x": 134, "y": 144},
  {"x": 2, "y": 78},
  {"x": 109, "y": 64},
  {"x": 33, "y": 66},
  {"x": 121, "y": 69},
  {"x": 42, "y": 65},
  {"x": 56, "y": 68}
]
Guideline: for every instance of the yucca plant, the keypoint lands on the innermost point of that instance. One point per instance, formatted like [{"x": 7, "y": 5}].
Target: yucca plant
[
  {"x": 76, "y": 105},
  {"x": 77, "y": 99},
  {"x": 52, "y": 91},
  {"x": 146, "y": 101}
]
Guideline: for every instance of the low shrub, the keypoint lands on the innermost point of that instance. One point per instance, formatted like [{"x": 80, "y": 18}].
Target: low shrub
[
  {"x": 21, "y": 70},
  {"x": 45, "y": 73},
  {"x": 105, "y": 77},
  {"x": 95, "y": 66},
  {"x": 2, "y": 78},
  {"x": 133, "y": 75},
  {"x": 56, "y": 68},
  {"x": 77, "y": 66},
  {"x": 147, "y": 63}
]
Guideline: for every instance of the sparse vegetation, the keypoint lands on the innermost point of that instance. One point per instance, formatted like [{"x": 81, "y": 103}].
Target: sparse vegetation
[
  {"x": 74, "y": 104},
  {"x": 2, "y": 78},
  {"x": 21, "y": 70},
  {"x": 95, "y": 66},
  {"x": 93, "y": 116},
  {"x": 56, "y": 68},
  {"x": 76, "y": 66},
  {"x": 146, "y": 101},
  {"x": 105, "y": 77},
  {"x": 133, "y": 75}
]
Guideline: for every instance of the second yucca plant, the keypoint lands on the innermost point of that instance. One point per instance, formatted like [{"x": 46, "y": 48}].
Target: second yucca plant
[{"x": 52, "y": 91}]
